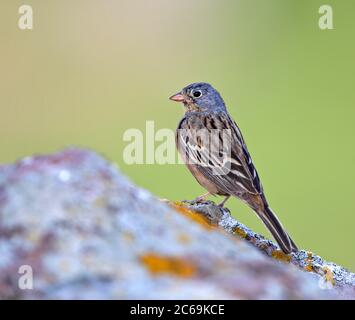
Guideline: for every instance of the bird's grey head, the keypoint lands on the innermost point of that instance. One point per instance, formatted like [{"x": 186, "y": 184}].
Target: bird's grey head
[{"x": 200, "y": 96}]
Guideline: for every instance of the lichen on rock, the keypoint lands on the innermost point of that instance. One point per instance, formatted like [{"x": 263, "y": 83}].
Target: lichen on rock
[{"x": 330, "y": 273}]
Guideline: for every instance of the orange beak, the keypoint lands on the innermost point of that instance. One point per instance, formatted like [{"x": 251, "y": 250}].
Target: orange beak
[{"x": 179, "y": 97}]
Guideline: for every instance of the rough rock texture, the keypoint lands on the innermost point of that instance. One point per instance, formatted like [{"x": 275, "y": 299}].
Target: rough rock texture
[
  {"x": 88, "y": 232},
  {"x": 332, "y": 276}
]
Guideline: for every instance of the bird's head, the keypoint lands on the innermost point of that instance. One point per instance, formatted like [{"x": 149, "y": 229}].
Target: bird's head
[{"x": 201, "y": 97}]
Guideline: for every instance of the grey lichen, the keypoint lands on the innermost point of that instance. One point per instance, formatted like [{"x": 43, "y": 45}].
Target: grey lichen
[{"x": 331, "y": 275}]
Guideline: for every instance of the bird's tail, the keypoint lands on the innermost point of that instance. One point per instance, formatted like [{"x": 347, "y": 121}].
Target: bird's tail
[{"x": 277, "y": 230}]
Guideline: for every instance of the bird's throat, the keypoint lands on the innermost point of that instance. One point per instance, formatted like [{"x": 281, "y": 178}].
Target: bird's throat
[{"x": 191, "y": 107}]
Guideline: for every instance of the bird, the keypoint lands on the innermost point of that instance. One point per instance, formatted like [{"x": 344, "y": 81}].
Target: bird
[{"x": 214, "y": 150}]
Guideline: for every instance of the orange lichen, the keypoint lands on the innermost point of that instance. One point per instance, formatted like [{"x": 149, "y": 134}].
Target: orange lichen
[
  {"x": 328, "y": 275},
  {"x": 158, "y": 264},
  {"x": 240, "y": 232},
  {"x": 309, "y": 256},
  {"x": 100, "y": 202},
  {"x": 279, "y": 255},
  {"x": 128, "y": 236},
  {"x": 184, "y": 238},
  {"x": 193, "y": 215},
  {"x": 309, "y": 268}
]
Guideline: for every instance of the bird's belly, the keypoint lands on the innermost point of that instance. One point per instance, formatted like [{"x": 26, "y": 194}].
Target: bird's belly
[{"x": 203, "y": 181}]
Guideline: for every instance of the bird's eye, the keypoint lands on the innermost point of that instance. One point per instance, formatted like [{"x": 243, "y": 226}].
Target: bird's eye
[{"x": 196, "y": 93}]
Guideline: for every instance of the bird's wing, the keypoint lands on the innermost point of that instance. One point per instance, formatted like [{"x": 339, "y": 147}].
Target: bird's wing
[
  {"x": 253, "y": 173},
  {"x": 222, "y": 157}
]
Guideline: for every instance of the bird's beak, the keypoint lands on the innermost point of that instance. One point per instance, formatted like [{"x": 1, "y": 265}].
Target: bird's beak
[{"x": 178, "y": 97}]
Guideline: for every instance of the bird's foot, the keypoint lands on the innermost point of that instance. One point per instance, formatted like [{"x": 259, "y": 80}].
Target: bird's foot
[
  {"x": 223, "y": 202},
  {"x": 201, "y": 198}
]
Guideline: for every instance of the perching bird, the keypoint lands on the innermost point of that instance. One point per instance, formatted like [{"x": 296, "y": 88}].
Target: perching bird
[{"x": 215, "y": 152}]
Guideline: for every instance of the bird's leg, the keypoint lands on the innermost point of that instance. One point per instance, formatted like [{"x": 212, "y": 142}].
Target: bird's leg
[
  {"x": 224, "y": 201},
  {"x": 202, "y": 197}
]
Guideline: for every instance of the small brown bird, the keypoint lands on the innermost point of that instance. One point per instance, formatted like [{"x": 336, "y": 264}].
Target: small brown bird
[{"x": 214, "y": 150}]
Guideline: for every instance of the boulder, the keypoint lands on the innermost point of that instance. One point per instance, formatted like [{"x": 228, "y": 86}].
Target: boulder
[{"x": 73, "y": 227}]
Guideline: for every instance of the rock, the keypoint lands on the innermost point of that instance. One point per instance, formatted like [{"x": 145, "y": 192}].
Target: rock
[
  {"x": 86, "y": 232},
  {"x": 331, "y": 275}
]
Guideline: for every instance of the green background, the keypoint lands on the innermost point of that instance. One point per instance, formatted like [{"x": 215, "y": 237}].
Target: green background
[{"x": 92, "y": 69}]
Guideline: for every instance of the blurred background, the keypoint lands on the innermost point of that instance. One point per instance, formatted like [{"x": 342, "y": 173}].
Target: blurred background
[{"x": 89, "y": 70}]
